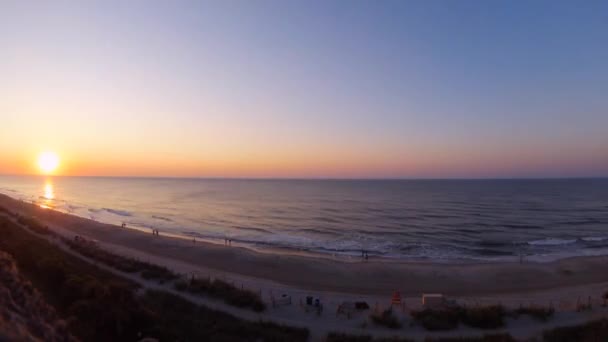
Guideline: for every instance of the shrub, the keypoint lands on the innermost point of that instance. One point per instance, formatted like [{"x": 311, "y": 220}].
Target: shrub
[
  {"x": 484, "y": 317},
  {"x": 339, "y": 337},
  {"x": 590, "y": 332},
  {"x": 229, "y": 293},
  {"x": 386, "y": 318},
  {"x": 128, "y": 265},
  {"x": 181, "y": 320},
  {"x": 34, "y": 225},
  {"x": 101, "y": 306},
  {"x": 538, "y": 312},
  {"x": 446, "y": 319},
  {"x": 484, "y": 338}
]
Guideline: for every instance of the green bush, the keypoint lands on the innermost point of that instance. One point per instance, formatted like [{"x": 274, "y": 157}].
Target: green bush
[
  {"x": 34, "y": 225},
  {"x": 100, "y": 306},
  {"x": 128, "y": 265},
  {"x": 484, "y": 338},
  {"x": 484, "y": 317},
  {"x": 445, "y": 319},
  {"x": 339, "y": 337},
  {"x": 595, "y": 331},
  {"x": 180, "y": 320},
  {"x": 386, "y": 318},
  {"x": 229, "y": 293},
  {"x": 538, "y": 312}
]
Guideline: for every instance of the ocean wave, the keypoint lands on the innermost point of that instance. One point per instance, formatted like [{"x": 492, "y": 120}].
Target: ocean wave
[
  {"x": 162, "y": 218},
  {"x": 118, "y": 212},
  {"x": 318, "y": 231},
  {"x": 494, "y": 243},
  {"x": 522, "y": 226},
  {"x": 327, "y": 219},
  {"x": 581, "y": 222},
  {"x": 552, "y": 242},
  {"x": 594, "y": 238},
  {"x": 253, "y": 229}
]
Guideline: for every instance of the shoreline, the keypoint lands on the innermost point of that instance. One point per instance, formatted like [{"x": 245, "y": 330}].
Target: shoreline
[
  {"x": 334, "y": 275},
  {"x": 290, "y": 251},
  {"x": 339, "y": 255}
]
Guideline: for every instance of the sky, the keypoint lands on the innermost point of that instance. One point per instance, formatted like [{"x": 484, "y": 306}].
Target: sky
[{"x": 298, "y": 89}]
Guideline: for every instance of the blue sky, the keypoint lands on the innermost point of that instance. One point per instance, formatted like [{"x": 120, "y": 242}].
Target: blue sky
[{"x": 319, "y": 89}]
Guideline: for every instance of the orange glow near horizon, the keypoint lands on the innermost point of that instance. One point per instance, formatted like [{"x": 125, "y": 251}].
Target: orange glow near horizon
[{"x": 415, "y": 161}]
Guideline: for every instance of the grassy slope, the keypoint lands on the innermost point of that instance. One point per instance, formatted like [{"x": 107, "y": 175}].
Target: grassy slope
[{"x": 101, "y": 307}]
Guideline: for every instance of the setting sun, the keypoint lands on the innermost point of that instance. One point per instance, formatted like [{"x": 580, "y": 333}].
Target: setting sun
[{"x": 48, "y": 162}]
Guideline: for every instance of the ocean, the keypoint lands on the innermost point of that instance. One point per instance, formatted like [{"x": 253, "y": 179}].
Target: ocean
[{"x": 439, "y": 220}]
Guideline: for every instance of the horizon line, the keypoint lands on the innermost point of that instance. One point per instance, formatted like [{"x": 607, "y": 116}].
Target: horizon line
[{"x": 318, "y": 178}]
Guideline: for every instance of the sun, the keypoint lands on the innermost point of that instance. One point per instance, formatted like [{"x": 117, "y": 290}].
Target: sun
[{"x": 48, "y": 162}]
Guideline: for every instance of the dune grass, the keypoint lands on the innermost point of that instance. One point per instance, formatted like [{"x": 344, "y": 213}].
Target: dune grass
[
  {"x": 124, "y": 264},
  {"x": 386, "y": 318},
  {"x": 339, "y": 337},
  {"x": 595, "y": 331},
  {"x": 484, "y": 338},
  {"x": 538, "y": 312},
  {"x": 34, "y": 225},
  {"x": 229, "y": 293},
  {"x": 100, "y": 306},
  {"x": 483, "y": 317}
]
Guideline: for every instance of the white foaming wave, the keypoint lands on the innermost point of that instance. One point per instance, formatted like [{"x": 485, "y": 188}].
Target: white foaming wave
[
  {"x": 552, "y": 242},
  {"x": 118, "y": 212},
  {"x": 594, "y": 238}
]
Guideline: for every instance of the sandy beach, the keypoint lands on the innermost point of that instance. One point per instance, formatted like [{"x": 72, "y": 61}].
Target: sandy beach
[
  {"x": 561, "y": 284},
  {"x": 322, "y": 274}
]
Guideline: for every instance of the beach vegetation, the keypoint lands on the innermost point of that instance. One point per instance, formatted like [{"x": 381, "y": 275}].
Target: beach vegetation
[
  {"x": 147, "y": 270},
  {"x": 181, "y": 320},
  {"x": 589, "y": 332},
  {"x": 100, "y": 306},
  {"x": 483, "y": 317},
  {"x": 538, "y": 312},
  {"x": 440, "y": 319},
  {"x": 386, "y": 318},
  {"x": 229, "y": 293},
  {"x": 484, "y": 338},
  {"x": 340, "y": 337},
  {"x": 34, "y": 225}
]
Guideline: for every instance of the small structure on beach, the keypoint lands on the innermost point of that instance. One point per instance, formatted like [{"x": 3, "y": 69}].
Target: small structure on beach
[
  {"x": 433, "y": 300},
  {"x": 281, "y": 301},
  {"x": 396, "y": 299}
]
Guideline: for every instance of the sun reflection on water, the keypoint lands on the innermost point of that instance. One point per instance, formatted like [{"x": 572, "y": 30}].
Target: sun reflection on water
[{"x": 48, "y": 196}]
